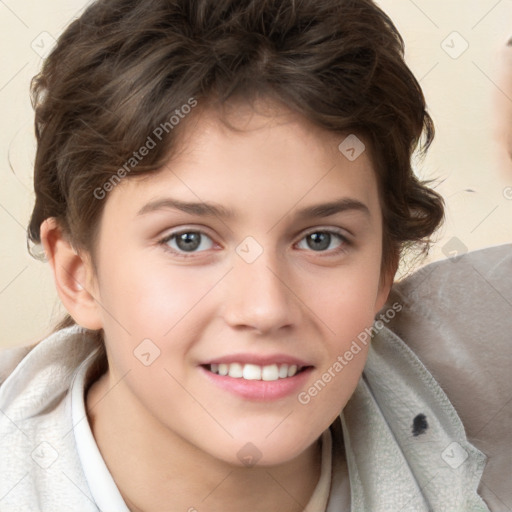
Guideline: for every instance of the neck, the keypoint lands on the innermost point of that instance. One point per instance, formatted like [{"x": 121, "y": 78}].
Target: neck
[{"x": 161, "y": 470}]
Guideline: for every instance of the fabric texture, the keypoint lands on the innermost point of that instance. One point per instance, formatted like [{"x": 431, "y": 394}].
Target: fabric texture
[
  {"x": 392, "y": 469},
  {"x": 40, "y": 469},
  {"x": 457, "y": 318}
]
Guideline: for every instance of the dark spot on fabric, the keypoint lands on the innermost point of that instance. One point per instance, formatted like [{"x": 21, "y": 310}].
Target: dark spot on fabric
[{"x": 419, "y": 425}]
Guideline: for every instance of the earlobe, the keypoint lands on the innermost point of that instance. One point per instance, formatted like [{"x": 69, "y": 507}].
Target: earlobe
[{"x": 73, "y": 274}]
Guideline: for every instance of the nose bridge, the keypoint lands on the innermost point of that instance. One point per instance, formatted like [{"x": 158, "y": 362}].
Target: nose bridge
[{"x": 257, "y": 295}]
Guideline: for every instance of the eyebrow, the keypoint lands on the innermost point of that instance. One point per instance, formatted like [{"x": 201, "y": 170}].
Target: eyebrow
[{"x": 215, "y": 210}]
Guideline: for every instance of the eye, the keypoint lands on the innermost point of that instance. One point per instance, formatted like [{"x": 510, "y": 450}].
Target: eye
[
  {"x": 321, "y": 241},
  {"x": 187, "y": 242}
]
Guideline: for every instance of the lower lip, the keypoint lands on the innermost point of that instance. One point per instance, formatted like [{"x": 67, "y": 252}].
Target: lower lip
[{"x": 260, "y": 390}]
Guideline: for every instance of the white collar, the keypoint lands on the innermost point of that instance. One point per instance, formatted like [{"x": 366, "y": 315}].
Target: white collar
[{"x": 101, "y": 484}]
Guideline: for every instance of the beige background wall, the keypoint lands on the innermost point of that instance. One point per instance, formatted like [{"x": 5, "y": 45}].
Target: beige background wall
[{"x": 456, "y": 49}]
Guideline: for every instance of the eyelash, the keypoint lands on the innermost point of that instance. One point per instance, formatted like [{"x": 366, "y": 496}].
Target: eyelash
[{"x": 345, "y": 242}]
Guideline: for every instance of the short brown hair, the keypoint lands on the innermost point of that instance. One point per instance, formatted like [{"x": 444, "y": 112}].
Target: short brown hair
[{"x": 125, "y": 66}]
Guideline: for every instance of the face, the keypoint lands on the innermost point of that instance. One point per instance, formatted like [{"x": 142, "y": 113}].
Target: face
[{"x": 253, "y": 253}]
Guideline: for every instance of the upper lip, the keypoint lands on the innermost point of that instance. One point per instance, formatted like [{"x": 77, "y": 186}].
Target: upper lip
[{"x": 258, "y": 359}]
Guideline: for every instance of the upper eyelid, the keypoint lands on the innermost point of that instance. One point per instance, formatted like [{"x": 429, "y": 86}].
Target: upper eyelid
[
  {"x": 336, "y": 231},
  {"x": 304, "y": 232}
]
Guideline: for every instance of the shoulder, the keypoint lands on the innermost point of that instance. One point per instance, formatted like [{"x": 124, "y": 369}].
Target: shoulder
[
  {"x": 10, "y": 358},
  {"x": 457, "y": 317},
  {"x": 40, "y": 469},
  {"x": 457, "y": 314},
  {"x": 487, "y": 272},
  {"x": 32, "y": 377},
  {"x": 467, "y": 299}
]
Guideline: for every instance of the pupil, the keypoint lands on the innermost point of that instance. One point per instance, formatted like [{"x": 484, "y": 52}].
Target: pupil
[
  {"x": 320, "y": 241},
  {"x": 188, "y": 241}
]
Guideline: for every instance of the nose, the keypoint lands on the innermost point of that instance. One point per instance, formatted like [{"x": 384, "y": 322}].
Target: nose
[{"x": 259, "y": 296}]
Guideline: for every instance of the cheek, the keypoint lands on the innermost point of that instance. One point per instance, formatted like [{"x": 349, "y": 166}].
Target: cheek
[
  {"x": 154, "y": 300},
  {"x": 348, "y": 303},
  {"x": 348, "y": 311}
]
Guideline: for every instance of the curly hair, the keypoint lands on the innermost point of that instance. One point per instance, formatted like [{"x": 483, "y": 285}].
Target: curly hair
[{"x": 125, "y": 66}]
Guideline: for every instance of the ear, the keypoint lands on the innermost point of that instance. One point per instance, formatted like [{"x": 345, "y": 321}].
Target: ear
[
  {"x": 74, "y": 276},
  {"x": 386, "y": 282}
]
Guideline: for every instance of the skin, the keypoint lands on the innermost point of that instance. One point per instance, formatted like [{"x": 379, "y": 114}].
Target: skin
[{"x": 167, "y": 434}]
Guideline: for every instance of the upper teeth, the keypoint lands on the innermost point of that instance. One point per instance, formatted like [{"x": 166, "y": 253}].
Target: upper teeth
[{"x": 255, "y": 372}]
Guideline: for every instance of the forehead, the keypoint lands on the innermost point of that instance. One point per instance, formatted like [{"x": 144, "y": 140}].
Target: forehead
[{"x": 253, "y": 153}]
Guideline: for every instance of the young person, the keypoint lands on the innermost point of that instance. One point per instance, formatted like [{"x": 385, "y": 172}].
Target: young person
[{"x": 223, "y": 191}]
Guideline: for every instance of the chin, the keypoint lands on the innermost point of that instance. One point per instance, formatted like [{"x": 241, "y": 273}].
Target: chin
[{"x": 261, "y": 452}]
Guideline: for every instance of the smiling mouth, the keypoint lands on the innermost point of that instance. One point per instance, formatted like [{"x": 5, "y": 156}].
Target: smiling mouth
[{"x": 267, "y": 373}]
